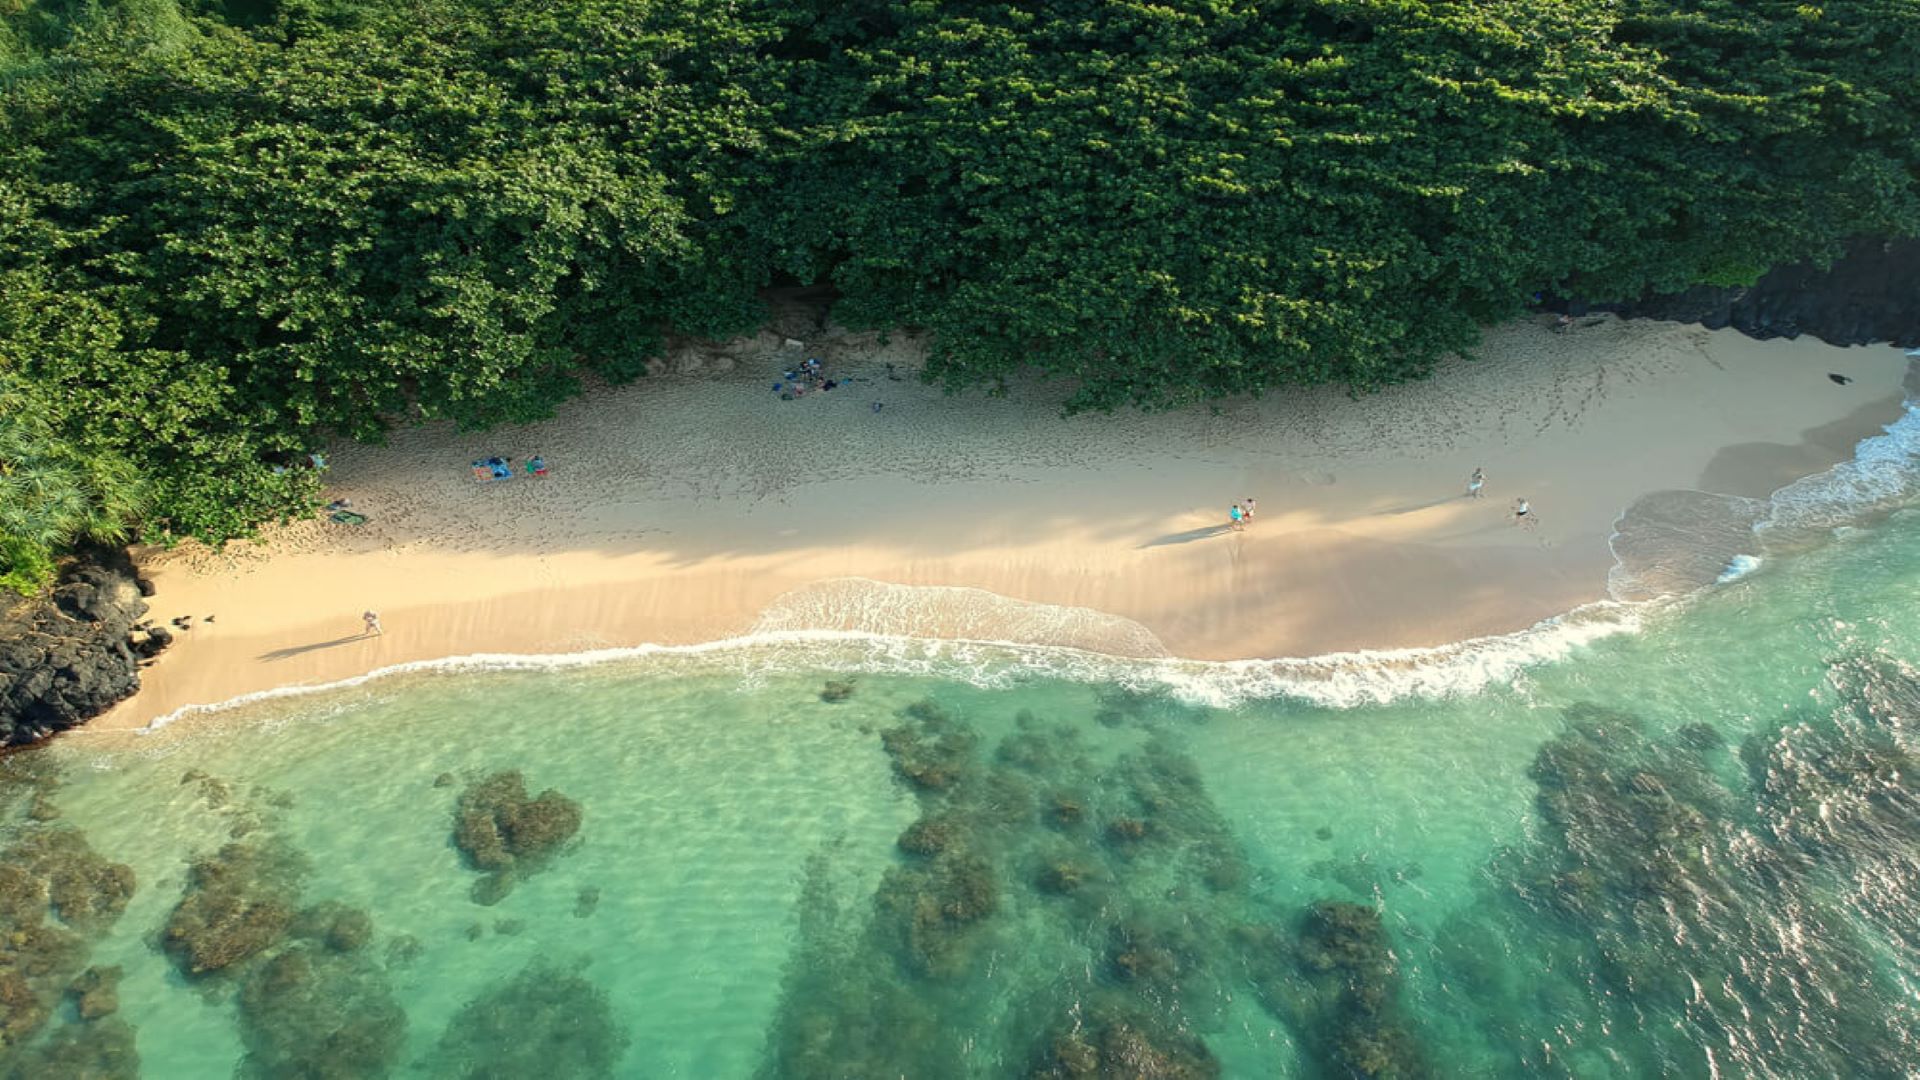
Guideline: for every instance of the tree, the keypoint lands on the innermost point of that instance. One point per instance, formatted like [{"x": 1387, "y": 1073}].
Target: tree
[{"x": 52, "y": 495}]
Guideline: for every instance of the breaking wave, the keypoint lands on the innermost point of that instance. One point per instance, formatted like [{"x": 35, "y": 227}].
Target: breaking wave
[{"x": 1673, "y": 542}]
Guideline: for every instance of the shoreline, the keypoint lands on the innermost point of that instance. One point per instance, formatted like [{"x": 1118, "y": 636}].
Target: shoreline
[
  {"x": 1339, "y": 679},
  {"x": 699, "y": 508}
]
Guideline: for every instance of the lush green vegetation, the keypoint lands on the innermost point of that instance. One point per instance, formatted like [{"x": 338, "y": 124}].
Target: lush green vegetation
[{"x": 231, "y": 227}]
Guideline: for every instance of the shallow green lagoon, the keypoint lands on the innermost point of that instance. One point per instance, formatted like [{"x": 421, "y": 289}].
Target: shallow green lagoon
[{"x": 1686, "y": 848}]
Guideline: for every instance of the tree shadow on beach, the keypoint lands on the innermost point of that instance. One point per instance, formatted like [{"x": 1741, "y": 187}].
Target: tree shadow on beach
[
  {"x": 296, "y": 650},
  {"x": 1187, "y": 537}
]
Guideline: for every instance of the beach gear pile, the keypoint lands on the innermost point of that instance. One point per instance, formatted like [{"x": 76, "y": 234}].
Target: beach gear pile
[
  {"x": 489, "y": 469},
  {"x": 796, "y": 382}
]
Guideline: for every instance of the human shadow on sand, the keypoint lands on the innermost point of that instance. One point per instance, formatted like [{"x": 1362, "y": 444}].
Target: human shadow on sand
[
  {"x": 1414, "y": 508},
  {"x": 296, "y": 650},
  {"x": 1187, "y": 537}
]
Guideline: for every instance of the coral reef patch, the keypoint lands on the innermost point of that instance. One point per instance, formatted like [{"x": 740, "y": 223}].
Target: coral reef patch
[
  {"x": 545, "y": 1023},
  {"x": 507, "y": 835}
]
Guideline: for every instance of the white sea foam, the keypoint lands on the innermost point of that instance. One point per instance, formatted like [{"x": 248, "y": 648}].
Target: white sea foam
[
  {"x": 1335, "y": 680},
  {"x": 1674, "y": 542},
  {"x": 1884, "y": 471},
  {"x": 1738, "y": 567}
]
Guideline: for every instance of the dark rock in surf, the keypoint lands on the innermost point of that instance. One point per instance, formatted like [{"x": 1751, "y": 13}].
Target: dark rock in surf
[{"x": 70, "y": 655}]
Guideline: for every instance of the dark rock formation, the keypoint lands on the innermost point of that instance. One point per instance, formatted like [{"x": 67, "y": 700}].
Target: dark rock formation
[
  {"x": 69, "y": 656},
  {"x": 1871, "y": 294},
  {"x": 239, "y": 903},
  {"x": 507, "y": 835}
]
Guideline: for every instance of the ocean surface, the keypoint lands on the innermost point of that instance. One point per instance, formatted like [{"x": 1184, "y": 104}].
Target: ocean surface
[{"x": 1678, "y": 838}]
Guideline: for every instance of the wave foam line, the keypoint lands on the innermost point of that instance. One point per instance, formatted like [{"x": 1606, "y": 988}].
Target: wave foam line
[
  {"x": 1885, "y": 469},
  {"x": 1332, "y": 680},
  {"x": 1883, "y": 473}
]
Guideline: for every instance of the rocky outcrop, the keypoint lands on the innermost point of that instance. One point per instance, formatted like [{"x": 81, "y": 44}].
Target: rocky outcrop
[
  {"x": 68, "y": 656},
  {"x": 1872, "y": 294}
]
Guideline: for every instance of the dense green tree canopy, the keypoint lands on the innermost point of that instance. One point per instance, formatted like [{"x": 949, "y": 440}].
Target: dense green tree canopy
[{"x": 229, "y": 228}]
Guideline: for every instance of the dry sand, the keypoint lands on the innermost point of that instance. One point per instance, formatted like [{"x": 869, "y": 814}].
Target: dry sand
[{"x": 696, "y": 506}]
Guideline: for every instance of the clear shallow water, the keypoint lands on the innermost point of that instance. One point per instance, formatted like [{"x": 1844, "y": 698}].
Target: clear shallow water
[{"x": 1684, "y": 849}]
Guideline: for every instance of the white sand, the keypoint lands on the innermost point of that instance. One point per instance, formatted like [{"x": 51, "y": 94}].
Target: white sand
[{"x": 695, "y": 506}]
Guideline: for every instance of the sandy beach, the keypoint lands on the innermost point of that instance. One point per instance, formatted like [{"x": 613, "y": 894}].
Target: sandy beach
[{"x": 697, "y": 505}]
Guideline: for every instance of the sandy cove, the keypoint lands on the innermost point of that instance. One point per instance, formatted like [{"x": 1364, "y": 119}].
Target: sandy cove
[{"x": 697, "y": 505}]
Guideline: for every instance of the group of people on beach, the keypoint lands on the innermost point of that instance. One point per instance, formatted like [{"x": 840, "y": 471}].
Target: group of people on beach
[
  {"x": 1522, "y": 509},
  {"x": 796, "y": 382},
  {"x": 1240, "y": 513}
]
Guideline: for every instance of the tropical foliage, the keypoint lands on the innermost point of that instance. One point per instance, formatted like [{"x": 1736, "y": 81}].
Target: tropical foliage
[
  {"x": 52, "y": 494},
  {"x": 230, "y": 228}
]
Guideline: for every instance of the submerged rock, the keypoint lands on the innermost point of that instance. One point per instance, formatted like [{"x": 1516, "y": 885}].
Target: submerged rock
[
  {"x": 239, "y": 902},
  {"x": 508, "y": 835},
  {"x": 55, "y": 895},
  {"x": 929, "y": 835},
  {"x": 932, "y": 754},
  {"x": 335, "y": 925},
  {"x": 1354, "y": 1022},
  {"x": 543, "y": 1024},
  {"x": 934, "y": 907},
  {"x": 1123, "y": 1045},
  {"x": 96, "y": 993},
  {"x": 85, "y": 890},
  {"x": 97, "y": 1050},
  {"x": 313, "y": 1012}
]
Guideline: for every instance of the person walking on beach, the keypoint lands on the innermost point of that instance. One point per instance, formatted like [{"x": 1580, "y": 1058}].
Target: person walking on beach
[
  {"x": 1246, "y": 509},
  {"x": 1523, "y": 514},
  {"x": 372, "y": 619},
  {"x": 1236, "y": 518},
  {"x": 1475, "y": 482}
]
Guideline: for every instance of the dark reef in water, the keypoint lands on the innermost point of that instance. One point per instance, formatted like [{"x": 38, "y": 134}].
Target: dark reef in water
[
  {"x": 545, "y": 1023},
  {"x": 1100, "y": 891},
  {"x": 1352, "y": 1009},
  {"x": 1871, "y": 294},
  {"x": 56, "y": 897},
  {"x": 311, "y": 1000},
  {"x": 507, "y": 835},
  {"x": 72, "y": 654},
  {"x": 316, "y": 1011},
  {"x": 1664, "y": 875},
  {"x": 1113, "y": 1046},
  {"x": 239, "y": 902}
]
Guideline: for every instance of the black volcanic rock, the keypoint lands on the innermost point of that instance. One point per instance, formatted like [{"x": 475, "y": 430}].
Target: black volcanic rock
[
  {"x": 69, "y": 655},
  {"x": 1871, "y": 294}
]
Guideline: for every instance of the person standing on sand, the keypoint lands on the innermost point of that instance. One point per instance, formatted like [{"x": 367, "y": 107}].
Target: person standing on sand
[
  {"x": 1475, "y": 482},
  {"x": 1246, "y": 509},
  {"x": 1236, "y": 518},
  {"x": 372, "y": 619}
]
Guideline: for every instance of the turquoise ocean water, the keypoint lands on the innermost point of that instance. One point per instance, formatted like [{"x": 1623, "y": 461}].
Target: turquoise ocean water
[{"x": 1679, "y": 839}]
